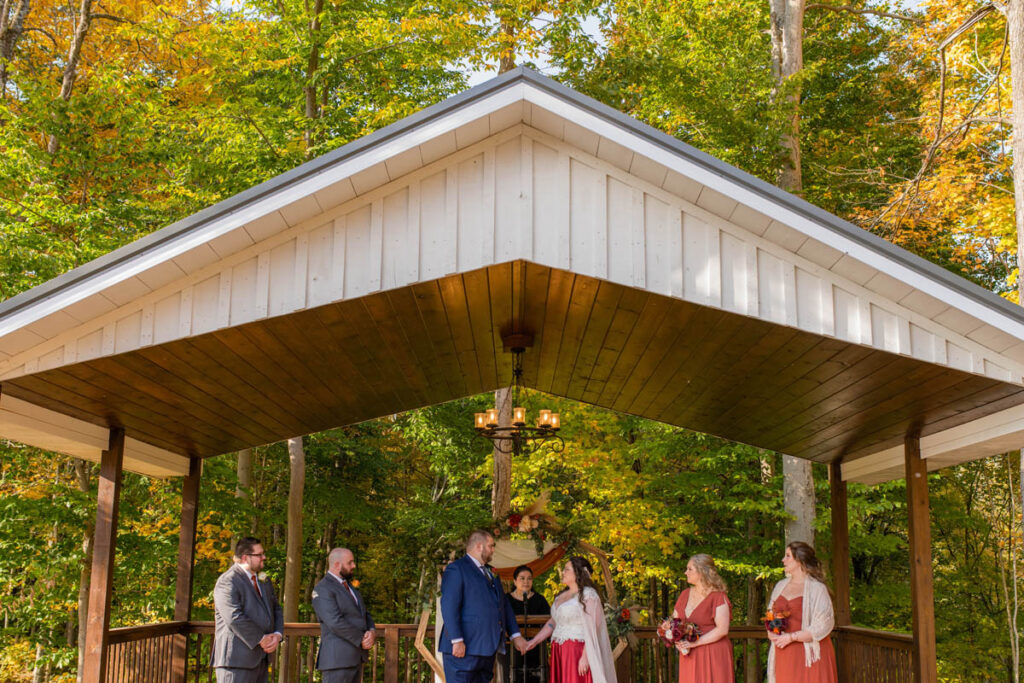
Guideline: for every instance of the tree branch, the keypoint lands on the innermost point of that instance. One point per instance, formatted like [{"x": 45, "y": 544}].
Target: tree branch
[
  {"x": 111, "y": 17},
  {"x": 855, "y": 10},
  {"x": 912, "y": 188}
]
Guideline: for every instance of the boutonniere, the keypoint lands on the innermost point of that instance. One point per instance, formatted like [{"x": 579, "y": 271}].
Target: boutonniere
[
  {"x": 262, "y": 576},
  {"x": 355, "y": 583}
]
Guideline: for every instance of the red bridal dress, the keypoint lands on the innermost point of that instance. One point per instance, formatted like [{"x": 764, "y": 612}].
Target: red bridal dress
[
  {"x": 790, "y": 661},
  {"x": 707, "y": 663}
]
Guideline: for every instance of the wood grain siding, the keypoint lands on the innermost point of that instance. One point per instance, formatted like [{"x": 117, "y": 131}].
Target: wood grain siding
[{"x": 596, "y": 341}]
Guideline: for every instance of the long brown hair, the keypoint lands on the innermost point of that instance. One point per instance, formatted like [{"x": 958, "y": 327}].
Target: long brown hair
[
  {"x": 582, "y": 568},
  {"x": 804, "y": 554}
]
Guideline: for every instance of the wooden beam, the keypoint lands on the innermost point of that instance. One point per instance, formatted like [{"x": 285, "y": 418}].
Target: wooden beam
[
  {"x": 108, "y": 500},
  {"x": 186, "y": 564},
  {"x": 840, "y": 559},
  {"x": 840, "y": 544},
  {"x": 922, "y": 597},
  {"x": 391, "y": 653}
]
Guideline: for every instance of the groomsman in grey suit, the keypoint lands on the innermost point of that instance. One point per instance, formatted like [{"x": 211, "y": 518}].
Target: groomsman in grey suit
[
  {"x": 248, "y": 623},
  {"x": 347, "y": 631}
]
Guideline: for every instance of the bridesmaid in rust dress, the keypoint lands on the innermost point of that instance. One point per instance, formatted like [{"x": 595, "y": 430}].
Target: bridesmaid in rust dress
[
  {"x": 804, "y": 653},
  {"x": 704, "y": 603}
]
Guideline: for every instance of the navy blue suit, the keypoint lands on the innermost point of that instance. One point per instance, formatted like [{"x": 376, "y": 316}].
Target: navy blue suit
[{"x": 475, "y": 610}]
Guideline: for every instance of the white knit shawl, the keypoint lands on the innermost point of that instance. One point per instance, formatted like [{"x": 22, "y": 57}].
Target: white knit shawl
[{"x": 817, "y": 618}]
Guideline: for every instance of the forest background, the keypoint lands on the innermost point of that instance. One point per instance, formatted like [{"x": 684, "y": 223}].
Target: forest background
[{"x": 118, "y": 117}]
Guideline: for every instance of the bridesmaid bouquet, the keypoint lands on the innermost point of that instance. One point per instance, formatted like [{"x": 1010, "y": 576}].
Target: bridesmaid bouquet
[
  {"x": 775, "y": 622},
  {"x": 672, "y": 631}
]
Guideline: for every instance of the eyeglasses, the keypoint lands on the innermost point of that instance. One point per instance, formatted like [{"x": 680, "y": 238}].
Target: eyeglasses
[{"x": 256, "y": 554}]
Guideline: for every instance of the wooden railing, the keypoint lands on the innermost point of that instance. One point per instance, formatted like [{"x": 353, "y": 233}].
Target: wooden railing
[
  {"x": 867, "y": 656},
  {"x": 145, "y": 654}
]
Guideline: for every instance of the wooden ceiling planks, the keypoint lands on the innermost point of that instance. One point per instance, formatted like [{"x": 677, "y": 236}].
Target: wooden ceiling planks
[{"x": 626, "y": 349}]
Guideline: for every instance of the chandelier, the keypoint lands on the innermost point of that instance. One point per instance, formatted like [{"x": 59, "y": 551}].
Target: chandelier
[{"x": 518, "y": 438}]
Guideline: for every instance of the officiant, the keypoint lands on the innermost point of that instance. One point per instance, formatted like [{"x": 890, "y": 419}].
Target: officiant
[{"x": 531, "y": 667}]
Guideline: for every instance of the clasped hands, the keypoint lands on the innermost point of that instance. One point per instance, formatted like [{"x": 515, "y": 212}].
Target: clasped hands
[
  {"x": 369, "y": 638},
  {"x": 459, "y": 649},
  {"x": 781, "y": 640},
  {"x": 270, "y": 642}
]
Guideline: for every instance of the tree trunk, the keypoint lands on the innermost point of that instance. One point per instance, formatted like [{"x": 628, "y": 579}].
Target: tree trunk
[
  {"x": 798, "y": 496},
  {"x": 71, "y": 67},
  {"x": 293, "y": 562},
  {"x": 787, "y": 30},
  {"x": 38, "y": 669},
  {"x": 244, "y": 487},
  {"x": 507, "y": 61},
  {"x": 312, "y": 109},
  {"x": 1015, "y": 35},
  {"x": 501, "y": 488},
  {"x": 12, "y": 25},
  {"x": 85, "y": 570}
]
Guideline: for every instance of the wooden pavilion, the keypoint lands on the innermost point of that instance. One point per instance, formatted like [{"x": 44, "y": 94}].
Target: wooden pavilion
[{"x": 655, "y": 279}]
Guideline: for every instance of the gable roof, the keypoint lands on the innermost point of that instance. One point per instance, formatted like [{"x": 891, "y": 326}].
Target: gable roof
[{"x": 893, "y": 301}]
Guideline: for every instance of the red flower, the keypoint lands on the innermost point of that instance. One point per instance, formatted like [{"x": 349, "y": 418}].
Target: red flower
[
  {"x": 514, "y": 519},
  {"x": 624, "y": 615}
]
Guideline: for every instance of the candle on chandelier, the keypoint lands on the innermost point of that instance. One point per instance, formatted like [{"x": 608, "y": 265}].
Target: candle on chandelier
[
  {"x": 480, "y": 420},
  {"x": 556, "y": 421},
  {"x": 544, "y": 419},
  {"x": 492, "y": 417},
  {"x": 519, "y": 416}
]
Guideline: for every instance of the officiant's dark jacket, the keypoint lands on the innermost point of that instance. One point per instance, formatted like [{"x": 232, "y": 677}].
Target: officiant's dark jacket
[
  {"x": 474, "y": 609},
  {"x": 343, "y": 622}
]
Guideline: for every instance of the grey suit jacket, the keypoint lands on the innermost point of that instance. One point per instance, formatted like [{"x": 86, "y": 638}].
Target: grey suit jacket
[
  {"x": 241, "y": 619},
  {"x": 343, "y": 621}
]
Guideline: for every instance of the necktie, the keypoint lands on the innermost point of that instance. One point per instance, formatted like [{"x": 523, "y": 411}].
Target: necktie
[
  {"x": 350, "y": 591},
  {"x": 487, "y": 574},
  {"x": 256, "y": 585}
]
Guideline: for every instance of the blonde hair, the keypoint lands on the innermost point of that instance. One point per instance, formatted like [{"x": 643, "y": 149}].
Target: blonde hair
[{"x": 705, "y": 566}]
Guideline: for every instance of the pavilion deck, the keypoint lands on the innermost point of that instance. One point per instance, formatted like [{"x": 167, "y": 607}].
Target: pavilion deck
[{"x": 179, "y": 651}]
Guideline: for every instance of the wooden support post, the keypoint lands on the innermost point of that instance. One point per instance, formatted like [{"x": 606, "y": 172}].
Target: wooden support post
[
  {"x": 108, "y": 500},
  {"x": 922, "y": 595},
  {"x": 391, "y": 654},
  {"x": 186, "y": 563},
  {"x": 840, "y": 544}
]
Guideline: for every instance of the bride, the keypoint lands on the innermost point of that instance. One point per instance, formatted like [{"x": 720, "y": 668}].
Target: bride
[{"x": 580, "y": 650}]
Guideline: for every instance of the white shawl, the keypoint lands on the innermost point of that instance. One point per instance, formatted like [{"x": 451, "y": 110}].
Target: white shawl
[
  {"x": 595, "y": 638},
  {"x": 817, "y": 619}
]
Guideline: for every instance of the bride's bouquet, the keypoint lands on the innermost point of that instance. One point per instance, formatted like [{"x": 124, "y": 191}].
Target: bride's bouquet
[{"x": 672, "y": 631}]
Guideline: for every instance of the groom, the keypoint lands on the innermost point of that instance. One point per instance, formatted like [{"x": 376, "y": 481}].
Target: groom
[{"x": 477, "y": 617}]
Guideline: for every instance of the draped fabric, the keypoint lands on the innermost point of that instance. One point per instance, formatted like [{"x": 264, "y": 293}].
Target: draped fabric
[{"x": 510, "y": 554}]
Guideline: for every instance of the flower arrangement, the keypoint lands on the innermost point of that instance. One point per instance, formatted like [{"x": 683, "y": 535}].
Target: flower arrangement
[
  {"x": 775, "y": 621},
  {"x": 672, "y": 631},
  {"x": 533, "y": 522},
  {"x": 523, "y": 523},
  {"x": 622, "y": 619}
]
